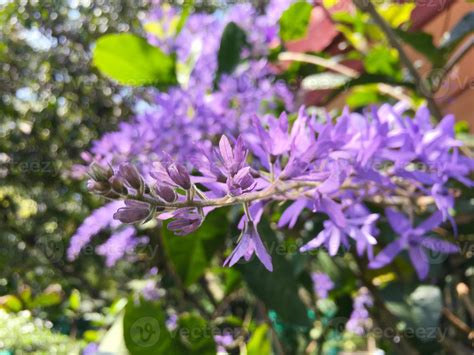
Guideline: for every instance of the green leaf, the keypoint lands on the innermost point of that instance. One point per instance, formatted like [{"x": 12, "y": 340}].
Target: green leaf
[
  {"x": 191, "y": 254},
  {"x": 131, "y": 60},
  {"x": 423, "y": 43},
  {"x": 278, "y": 290},
  {"x": 75, "y": 300},
  {"x": 195, "y": 335},
  {"x": 419, "y": 308},
  {"x": 295, "y": 20},
  {"x": 233, "y": 41},
  {"x": 50, "y": 297},
  {"x": 363, "y": 95},
  {"x": 463, "y": 28},
  {"x": 324, "y": 81},
  {"x": 259, "y": 343},
  {"x": 144, "y": 329},
  {"x": 396, "y": 14},
  {"x": 381, "y": 60},
  {"x": 11, "y": 302}
]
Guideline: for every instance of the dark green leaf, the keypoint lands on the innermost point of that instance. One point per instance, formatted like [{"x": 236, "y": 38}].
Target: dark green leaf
[
  {"x": 419, "y": 308},
  {"x": 192, "y": 254},
  {"x": 131, "y": 60},
  {"x": 195, "y": 335},
  {"x": 295, "y": 20},
  {"x": 278, "y": 290},
  {"x": 144, "y": 329},
  {"x": 423, "y": 43},
  {"x": 232, "y": 42}
]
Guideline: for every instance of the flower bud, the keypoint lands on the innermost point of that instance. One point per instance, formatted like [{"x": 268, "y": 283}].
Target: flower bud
[
  {"x": 133, "y": 212},
  {"x": 118, "y": 184},
  {"x": 179, "y": 175},
  {"x": 166, "y": 193},
  {"x": 99, "y": 172},
  {"x": 98, "y": 187},
  {"x": 131, "y": 175}
]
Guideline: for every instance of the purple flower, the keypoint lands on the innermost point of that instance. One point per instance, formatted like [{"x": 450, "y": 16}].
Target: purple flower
[
  {"x": 232, "y": 159},
  {"x": 179, "y": 175},
  {"x": 250, "y": 243},
  {"x": 90, "y": 349},
  {"x": 186, "y": 220},
  {"x": 359, "y": 320},
  {"x": 172, "y": 322},
  {"x": 241, "y": 182},
  {"x": 133, "y": 212},
  {"x": 119, "y": 244},
  {"x": 99, "y": 220},
  {"x": 358, "y": 228},
  {"x": 151, "y": 292},
  {"x": 322, "y": 284},
  {"x": 414, "y": 240},
  {"x": 222, "y": 341}
]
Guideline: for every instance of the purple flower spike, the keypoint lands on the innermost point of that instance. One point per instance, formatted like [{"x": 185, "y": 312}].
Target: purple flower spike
[
  {"x": 249, "y": 244},
  {"x": 179, "y": 175},
  {"x": 186, "y": 221},
  {"x": 133, "y": 212}
]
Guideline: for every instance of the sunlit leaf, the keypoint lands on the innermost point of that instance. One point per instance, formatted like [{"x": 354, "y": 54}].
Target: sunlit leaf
[
  {"x": 259, "y": 343},
  {"x": 396, "y": 14},
  {"x": 381, "y": 60},
  {"x": 295, "y": 20},
  {"x": 131, "y": 60}
]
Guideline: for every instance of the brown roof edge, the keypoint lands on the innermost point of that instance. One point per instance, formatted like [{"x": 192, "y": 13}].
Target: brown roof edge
[{"x": 427, "y": 10}]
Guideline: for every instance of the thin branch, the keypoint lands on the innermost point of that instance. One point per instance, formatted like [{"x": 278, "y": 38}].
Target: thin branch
[
  {"x": 367, "y": 6},
  {"x": 341, "y": 69},
  {"x": 455, "y": 58},
  {"x": 458, "y": 323}
]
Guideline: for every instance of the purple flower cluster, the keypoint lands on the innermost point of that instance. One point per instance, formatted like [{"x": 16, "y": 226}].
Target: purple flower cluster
[
  {"x": 179, "y": 120},
  {"x": 322, "y": 284},
  {"x": 359, "y": 322},
  {"x": 333, "y": 168}
]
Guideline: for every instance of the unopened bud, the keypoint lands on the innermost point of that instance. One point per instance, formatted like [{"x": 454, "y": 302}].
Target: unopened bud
[
  {"x": 133, "y": 212},
  {"x": 98, "y": 187},
  {"x": 179, "y": 175},
  {"x": 166, "y": 193},
  {"x": 99, "y": 172},
  {"x": 118, "y": 184},
  {"x": 131, "y": 175}
]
